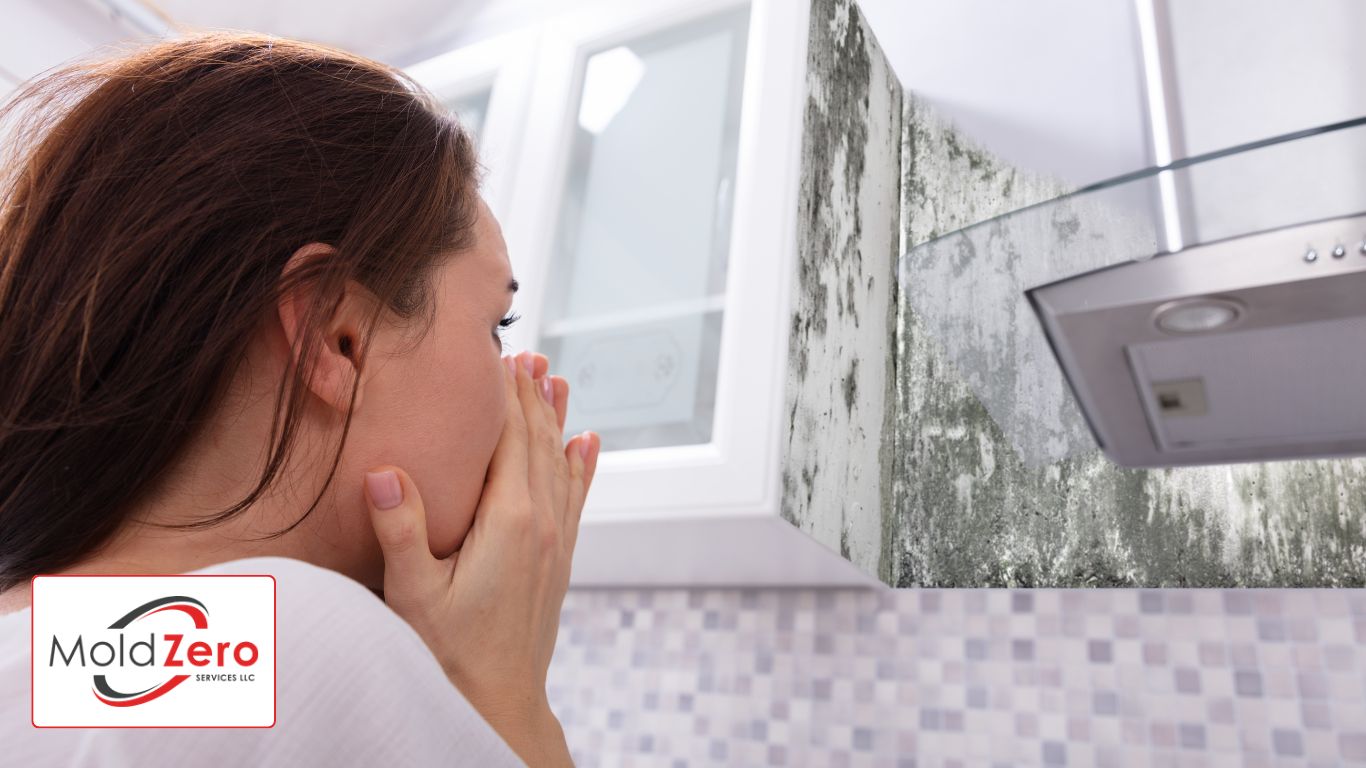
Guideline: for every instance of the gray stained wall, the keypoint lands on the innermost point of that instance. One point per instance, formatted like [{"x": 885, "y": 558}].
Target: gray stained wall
[{"x": 894, "y": 461}]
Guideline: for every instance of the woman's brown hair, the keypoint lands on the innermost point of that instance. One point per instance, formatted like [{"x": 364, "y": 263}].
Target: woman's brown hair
[{"x": 146, "y": 216}]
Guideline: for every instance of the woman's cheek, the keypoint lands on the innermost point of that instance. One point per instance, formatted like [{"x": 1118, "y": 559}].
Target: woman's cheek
[
  {"x": 498, "y": 411},
  {"x": 497, "y": 418}
]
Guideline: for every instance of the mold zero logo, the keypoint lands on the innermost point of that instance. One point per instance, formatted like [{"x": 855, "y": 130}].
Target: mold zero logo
[{"x": 194, "y": 650}]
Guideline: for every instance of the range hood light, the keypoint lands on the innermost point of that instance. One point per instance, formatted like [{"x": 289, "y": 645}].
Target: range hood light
[{"x": 1197, "y": 315}]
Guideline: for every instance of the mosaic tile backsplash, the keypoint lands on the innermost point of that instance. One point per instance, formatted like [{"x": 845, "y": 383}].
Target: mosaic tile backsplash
[{"x": 903, "y": 677}]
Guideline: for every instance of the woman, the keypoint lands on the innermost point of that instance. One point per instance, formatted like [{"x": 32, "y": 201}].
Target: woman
[{"x": 250, "y": 303}]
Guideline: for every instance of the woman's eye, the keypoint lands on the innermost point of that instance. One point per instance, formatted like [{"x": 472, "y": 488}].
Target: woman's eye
[{"x": 505, "y": 323}]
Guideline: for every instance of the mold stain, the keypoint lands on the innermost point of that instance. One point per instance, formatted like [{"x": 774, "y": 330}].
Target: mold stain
[
  {"x": 840, "y": 131},
  {"x": 850, "y": 386},
  {"x": 973, "y": 517},
  {"x": 958, "y": 508}
]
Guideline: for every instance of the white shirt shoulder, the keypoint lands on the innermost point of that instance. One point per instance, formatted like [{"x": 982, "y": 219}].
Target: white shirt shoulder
[{"x": 356, "y": 686}]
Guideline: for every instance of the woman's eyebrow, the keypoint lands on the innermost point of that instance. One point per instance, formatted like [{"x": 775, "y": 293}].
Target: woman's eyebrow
[{"x": 513, "y": 285}]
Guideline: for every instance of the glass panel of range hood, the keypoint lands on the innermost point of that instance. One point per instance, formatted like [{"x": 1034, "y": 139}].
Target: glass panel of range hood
[{"x": 1209, "y": 311}]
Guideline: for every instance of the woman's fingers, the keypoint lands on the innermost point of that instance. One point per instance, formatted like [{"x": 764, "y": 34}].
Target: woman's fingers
[
  {"x": 541, "y": 478},
  {"x": 540, "y": 364},
  {"x": 411, "y": 572},
  {"x": 491, "y": 616},
  {"x": 581, "y": 471},
  {"x": 561, "y": 401},
  {"x": 577, "y": 490},
  {"x": 554, "y": 450},
  {"x": 507, "y": 472},
  {"x": 541, "y": 427},
  {"x": 548, "y": 461},
  {"x": 541, "y": 367}
]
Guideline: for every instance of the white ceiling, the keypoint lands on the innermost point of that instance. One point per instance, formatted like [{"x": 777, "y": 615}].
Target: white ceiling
[
  {"x": 1056, "y": 85},
  {"x": 1050, "y": 85},
  {"x": 35, "y": 37},
  {"x": 384, "y": 30}
]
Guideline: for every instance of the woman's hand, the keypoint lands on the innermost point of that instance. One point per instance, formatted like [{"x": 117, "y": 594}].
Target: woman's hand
[{"x": 491, "y": 611}]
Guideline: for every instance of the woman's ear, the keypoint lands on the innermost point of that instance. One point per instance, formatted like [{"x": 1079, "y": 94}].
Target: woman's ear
[{"x": 338, "y": 357}]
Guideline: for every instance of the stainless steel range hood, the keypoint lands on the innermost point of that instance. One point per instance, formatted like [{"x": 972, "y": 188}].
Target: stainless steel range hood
[
  {"x": 1244, "y": 342},
  {"x": 1248, "y": 349}
]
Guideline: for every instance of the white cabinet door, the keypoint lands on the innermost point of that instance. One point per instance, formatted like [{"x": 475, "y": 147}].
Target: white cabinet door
[
  {"x": 635, "y": 281},
  {"x": 654, "y": 218},
  {"x": 488, "y": 85},
  {"x": 652, "y": 225}
]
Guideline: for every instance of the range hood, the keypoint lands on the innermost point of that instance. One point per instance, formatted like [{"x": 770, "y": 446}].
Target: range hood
[
  {"x": 1248, "y": 349},
  {"x": 1208, "y": 311}
]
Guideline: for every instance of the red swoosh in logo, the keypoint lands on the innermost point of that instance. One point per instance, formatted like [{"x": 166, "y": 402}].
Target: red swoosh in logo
[{"x": 187, "y": 605}]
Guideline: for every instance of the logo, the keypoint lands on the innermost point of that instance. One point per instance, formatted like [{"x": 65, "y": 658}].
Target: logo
[{"x": 159, "y": 663}]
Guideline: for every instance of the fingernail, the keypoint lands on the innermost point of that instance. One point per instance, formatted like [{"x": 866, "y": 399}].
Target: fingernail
[
  {"x": 510, "y": 363},
  {"x": 546, "y": 391},
  {"x": 526, "y": 362},
  {"x": 384, "y": 488},
  {"x": 583, "y": 445}
]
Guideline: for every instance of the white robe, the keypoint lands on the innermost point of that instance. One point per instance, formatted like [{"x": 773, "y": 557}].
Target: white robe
[{"x": 395, "y": 708}]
